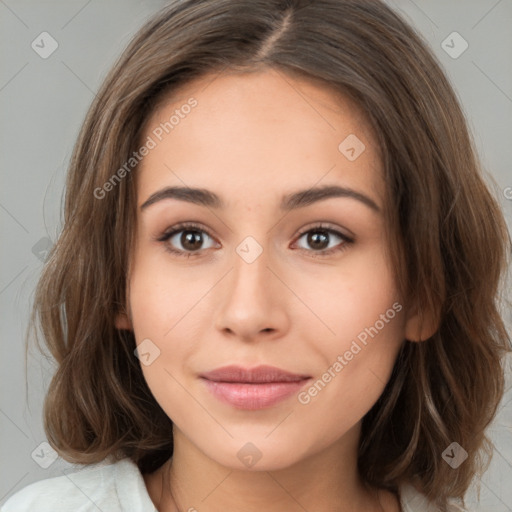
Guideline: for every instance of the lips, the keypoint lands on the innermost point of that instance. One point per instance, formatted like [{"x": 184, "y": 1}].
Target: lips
[
  {"x": 255, "y": 388},
  {"x": 259, "y": 374}
]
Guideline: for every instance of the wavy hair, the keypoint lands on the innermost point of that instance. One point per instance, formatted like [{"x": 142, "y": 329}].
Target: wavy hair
[{"x": 448, "y": 237}]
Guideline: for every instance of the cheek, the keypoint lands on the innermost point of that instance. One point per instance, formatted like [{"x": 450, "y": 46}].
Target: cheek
[
  {"x": 353, "y": 297},
  {"x": 169, "y": 308},
  {"x": 355, "y": 355},
  {"x": 161, "y": 295},
  {"x": 162, "y": 303},
  {"x": 352, "y": 373}
]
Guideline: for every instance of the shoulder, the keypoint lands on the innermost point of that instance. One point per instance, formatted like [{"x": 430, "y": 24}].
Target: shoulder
[
  {"x": 113, "y": 486},
  {"x": 413, "y": 501}
]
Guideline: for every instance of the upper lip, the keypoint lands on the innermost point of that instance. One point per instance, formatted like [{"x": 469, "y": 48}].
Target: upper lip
[{"x": 258, "y": 374}]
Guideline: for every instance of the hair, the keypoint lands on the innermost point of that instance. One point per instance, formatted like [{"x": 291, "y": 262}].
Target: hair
[{"x": 448, "y": 239}]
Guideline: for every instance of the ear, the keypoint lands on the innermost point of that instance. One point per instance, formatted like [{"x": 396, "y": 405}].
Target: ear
[
  {"x": 420, "y": 325},
  {"x": 122, "y": 321}
]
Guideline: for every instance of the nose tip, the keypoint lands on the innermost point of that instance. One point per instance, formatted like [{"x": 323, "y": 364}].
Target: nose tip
[{"x": 251, "y": 307}]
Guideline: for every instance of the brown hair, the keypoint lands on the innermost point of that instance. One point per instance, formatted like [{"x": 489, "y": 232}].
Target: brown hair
[{"x": 449, "y": 240}]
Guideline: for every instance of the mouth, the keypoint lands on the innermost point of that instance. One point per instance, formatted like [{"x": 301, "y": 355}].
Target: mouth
[{"x": 255, "y": 388}]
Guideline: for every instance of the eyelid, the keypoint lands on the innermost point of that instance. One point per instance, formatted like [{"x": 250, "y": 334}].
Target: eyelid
[
  {"x": 318, "y": 226},
  {"x": 327, "y": 226},
  {"x": 182, "y": 226},
  {"x": 193, "y": 225}
]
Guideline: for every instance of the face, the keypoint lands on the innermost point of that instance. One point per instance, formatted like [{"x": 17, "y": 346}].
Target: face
[{"x": 260, "y": 275}]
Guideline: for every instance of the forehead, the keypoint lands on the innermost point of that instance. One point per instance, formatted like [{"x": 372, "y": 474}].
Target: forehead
[{"x": 254, "y": 133}]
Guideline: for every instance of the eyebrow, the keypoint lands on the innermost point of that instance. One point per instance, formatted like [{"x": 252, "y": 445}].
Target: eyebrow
[{"x": 292, "y": 201}]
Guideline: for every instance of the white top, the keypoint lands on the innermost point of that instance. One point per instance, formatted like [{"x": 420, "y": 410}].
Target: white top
[{"x": 120, "y": 487}]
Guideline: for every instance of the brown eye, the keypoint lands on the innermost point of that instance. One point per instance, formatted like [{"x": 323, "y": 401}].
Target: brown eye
[
  {"x": 318, "y": 239},
  {"x": 186, "y": 240},
  {"x": 191, "y": 240},
  {"x": 323, "y": 241}
]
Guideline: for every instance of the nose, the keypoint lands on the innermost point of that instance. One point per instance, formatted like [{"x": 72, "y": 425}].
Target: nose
[{"x": 253, "y": 300}]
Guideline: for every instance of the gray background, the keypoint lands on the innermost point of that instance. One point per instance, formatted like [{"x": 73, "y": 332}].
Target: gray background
[{"x": 43, "y": 102}]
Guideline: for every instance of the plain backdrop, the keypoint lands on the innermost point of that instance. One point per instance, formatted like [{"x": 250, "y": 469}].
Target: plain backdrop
[{"x": 43, "y": 102}]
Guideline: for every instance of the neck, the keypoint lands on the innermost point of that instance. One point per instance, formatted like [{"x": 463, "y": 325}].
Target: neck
[{"x": 191, "y": 481}]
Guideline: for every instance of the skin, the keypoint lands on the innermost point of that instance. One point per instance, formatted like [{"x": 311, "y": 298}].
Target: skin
[{"x": 251, "y": 139}]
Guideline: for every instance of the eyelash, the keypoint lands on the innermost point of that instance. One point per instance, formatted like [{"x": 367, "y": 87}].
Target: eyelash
[{"x": 190, "y": 226}]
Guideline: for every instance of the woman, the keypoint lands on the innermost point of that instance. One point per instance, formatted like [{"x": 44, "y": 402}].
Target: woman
[{"x": 276, "y": 286}]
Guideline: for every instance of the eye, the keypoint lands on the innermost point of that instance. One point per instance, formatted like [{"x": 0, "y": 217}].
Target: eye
[
  {"x": 188, "y": 239},
  {"x": 191, "y": 237},
  {"x": 322, "y": 239}
]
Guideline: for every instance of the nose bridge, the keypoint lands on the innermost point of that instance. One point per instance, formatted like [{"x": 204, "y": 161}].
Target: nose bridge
[
  {"x": 252, "y": 253},
  {"x": 250, "y": 273},
  {"x": 251, "y": 301}
]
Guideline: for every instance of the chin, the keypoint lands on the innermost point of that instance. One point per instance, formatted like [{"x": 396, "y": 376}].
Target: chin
[{"x": 258, "y": 454}]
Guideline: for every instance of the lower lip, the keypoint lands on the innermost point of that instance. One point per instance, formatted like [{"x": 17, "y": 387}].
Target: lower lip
[{"x": 253, "y": 396}]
